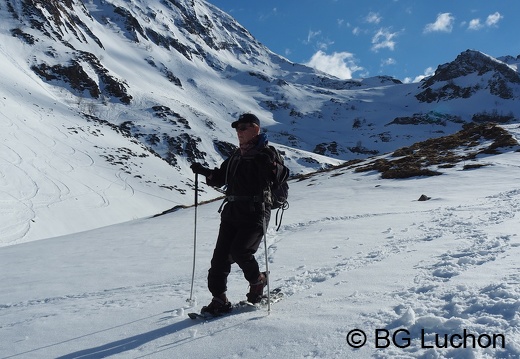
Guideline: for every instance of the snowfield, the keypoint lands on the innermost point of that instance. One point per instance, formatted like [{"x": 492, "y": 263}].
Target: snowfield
[{"x": 420, "y": 279}]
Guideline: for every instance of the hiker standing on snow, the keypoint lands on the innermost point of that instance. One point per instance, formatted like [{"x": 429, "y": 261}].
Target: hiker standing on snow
[{"x": 248, "y": 176}]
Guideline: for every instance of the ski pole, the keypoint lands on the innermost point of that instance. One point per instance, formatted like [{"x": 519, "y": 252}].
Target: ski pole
[
  {"x": 194, "y": 236},
  {"x": 267, "y": 264}
]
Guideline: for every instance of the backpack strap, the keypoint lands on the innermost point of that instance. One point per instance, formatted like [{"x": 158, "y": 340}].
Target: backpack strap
[
  {"x": 282, "y": 208},
  {"x": 232, "y": 162}
]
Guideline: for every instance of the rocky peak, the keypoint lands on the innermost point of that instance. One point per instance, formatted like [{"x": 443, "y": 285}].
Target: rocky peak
[
  {"x": 488, "y": 74},
  {"x": 472, "y": 62}
]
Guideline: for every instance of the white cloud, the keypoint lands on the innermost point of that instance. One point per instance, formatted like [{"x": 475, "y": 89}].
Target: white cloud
[
  {"x": 427, "y": 73},
  {"x": 342, "y": 23},
  {"x": 475, "y": 24},
  {"x": 324, "y": 44},
  {"x": 268, "y": 15},
  {"x": 312, "y": 35},
  {"x": 316, "y": 39},
  {"x": 443, "y": 23},
  {"x": 339, "y": 64},
  {"x": 383, "y": 39},
  {"x": 387, "y": 62},
  {"x": 373, "y": 18},
  {"x": 493, "y": 19}
]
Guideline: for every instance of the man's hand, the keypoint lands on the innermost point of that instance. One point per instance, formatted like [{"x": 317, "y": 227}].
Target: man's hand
[{"x": 200, "y": 169}]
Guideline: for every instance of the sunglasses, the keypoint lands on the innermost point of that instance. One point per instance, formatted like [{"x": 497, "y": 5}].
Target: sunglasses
[{"x": 242, "y": 128}]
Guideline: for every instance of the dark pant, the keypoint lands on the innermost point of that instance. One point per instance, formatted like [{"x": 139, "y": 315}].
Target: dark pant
[{"x": 236, "y": 243}]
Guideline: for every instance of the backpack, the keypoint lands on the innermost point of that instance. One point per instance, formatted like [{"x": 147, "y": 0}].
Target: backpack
[{"x": 280, "y": 193}]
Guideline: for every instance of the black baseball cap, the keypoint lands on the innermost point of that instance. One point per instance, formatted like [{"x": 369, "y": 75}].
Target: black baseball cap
[{"x": 246, "y": 118}]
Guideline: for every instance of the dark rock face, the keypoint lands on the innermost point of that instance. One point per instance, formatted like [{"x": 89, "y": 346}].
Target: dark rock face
[{"x": 497, "y": 75}]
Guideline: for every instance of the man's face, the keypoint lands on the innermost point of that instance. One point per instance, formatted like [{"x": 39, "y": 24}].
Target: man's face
[{"x": 246, "y": 132}]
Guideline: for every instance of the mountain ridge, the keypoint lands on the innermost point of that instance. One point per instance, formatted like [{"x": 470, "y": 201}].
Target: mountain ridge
[{"x": 144, "y": 89}]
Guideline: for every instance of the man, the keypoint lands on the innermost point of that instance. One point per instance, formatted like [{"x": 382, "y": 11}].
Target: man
[{"x": 248, "y": 175}]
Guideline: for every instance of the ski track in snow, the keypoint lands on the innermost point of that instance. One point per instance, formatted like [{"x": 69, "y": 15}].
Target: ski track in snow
[
  {"x": 39, "y": 186},
  {"x": 37, "y": 173}
]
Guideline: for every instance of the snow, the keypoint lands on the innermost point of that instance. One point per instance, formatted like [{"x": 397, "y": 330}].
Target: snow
[
  {"x": 354, "y": 252},
  {"x": 87, "y": 272}
]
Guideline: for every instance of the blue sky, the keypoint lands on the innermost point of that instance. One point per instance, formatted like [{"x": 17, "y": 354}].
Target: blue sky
[{"x": 406, "y": 39}]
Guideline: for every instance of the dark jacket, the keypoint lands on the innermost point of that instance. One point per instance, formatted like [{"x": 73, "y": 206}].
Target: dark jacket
[{"x": 247, "y": 179}]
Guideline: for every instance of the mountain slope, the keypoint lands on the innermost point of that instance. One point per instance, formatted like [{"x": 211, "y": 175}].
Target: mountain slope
[
  {"x": 354, "y": 252},
  {"x": 145, "y": 88}
]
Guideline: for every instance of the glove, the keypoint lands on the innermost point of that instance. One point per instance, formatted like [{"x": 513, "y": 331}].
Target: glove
[{"x": 200, "y": 169}]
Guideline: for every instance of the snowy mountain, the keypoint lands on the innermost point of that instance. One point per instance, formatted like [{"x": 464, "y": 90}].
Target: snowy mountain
[
  {"x": 106, "y": 103},
  {"x": 401, "y": 240}
]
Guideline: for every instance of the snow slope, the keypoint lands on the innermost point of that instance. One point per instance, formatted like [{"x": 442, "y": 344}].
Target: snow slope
[
  {"x": 92, "y": 91},
  {"x": 57, "y": 170},
  {"x": 354, "y": 252}
]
